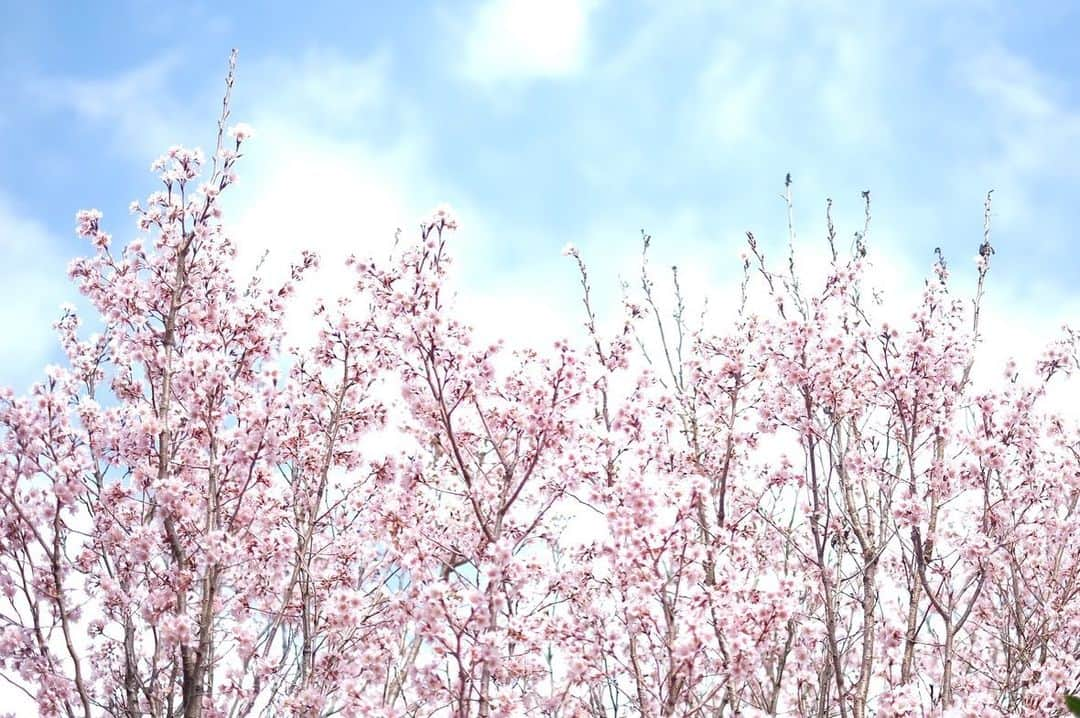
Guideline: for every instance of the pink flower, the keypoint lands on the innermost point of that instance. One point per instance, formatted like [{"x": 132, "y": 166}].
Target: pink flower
[{"x": 241, "y": 132}]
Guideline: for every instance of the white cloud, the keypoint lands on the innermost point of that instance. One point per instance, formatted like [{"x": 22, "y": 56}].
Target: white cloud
[
  {"x": 1032, "y": 131},
  {"x": 731, "y": 97},
  {"x": 299, "y": 191},
  {"x": 33, "y": 282},
  {"x": 776, "y": 62},
  {"x": 525, "y": 39},
  {"x": 321, "y": 86},
  {"x": 139, "y": 105},
  {"x": 308, "y": 182},
  {"x": 1012, "y": 83}
]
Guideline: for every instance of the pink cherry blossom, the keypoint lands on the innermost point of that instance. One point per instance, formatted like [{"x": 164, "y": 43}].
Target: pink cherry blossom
[{"x": 799, "y": 511}]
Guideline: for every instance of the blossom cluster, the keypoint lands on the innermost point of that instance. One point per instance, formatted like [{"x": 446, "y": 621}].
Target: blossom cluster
[{"x": 807, "y": 512}]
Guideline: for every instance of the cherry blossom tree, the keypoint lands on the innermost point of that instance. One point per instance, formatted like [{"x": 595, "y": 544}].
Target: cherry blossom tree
[{"x": 793, "y": 508}]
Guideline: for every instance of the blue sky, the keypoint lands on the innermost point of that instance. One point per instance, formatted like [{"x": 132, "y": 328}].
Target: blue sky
[{"x": 543, "y": 123}]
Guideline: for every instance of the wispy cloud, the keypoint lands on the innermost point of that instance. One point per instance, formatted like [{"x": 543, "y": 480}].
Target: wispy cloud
[
  {"x": 322, "y": 87},
  {"x": 731, "y": 97},
  {"x": 33, "y": 280},
  {"x": 140, "y": 106},
  {"x": 1031, "y": 137}
]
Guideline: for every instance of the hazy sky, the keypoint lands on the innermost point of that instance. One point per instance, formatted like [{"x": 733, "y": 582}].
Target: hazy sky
[{"x": 556, "y": 121}]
